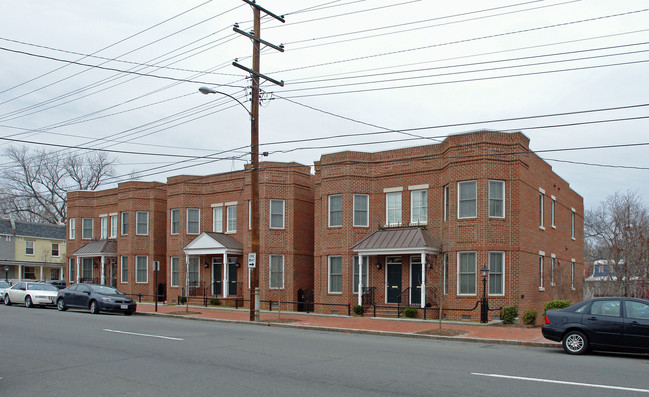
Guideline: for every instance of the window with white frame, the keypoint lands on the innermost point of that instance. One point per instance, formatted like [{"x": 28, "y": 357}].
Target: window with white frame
[
  {"x": 419, "y": 207},
  {"x": 393, "y": 208},
  {"x": 496, "y": 273},
  {"x": 496, "y": 199},
  {"x": 142, "y": 222},
  {"x": 72, "y": 269},
  {"x": 572, "y": 274},
  {"x": 175, "y": 271},
  {"x": 124, "y": 223},
  {"x": 466, "y": 270},
  {"x": 141, "y": 269},
  {"x": 194, "y": 273},
  {"x": 217, "y": 219},
  {"x": 447, "y": 203},
  {"x": 552, "y": 260},
  {"x": 365, "y": 270},
  {"x": 86, "y": 228},
  {"x": 541, "y": 197},
  {"x": 174, "y": 214},
  {"x": 55, "y": 250},
  {"x": 73, "y": 228},
  {"x": 335, "y": 210},
  {"x": 572, "y": 223},
  {"x": 103, "y": 227},
  {"x": 86, "y": 270},
  {"x": 277, "y": 208},
  {"x": 124, "y": 269},
  {"x": 361, "y": 210},
  {"x": 29, "y": 247},
  {"x": 193, "y": 221},
  {"x": 335, "y": 274},
  {"x": 113, "y": 226},
  {"x": 467, "y": 199},
  {"x": 541, "y": 272},
  {"x": 445, "y": 273},
  {"x": 276, "y": 271},
  {"x": 553, "y": 203},
  {"x": 231, "y": 213}
]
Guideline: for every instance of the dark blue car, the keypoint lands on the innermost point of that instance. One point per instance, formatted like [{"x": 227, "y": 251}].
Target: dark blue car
[
  {"x": 95, "y": 298},
  {"x": 611, "y": 323}
]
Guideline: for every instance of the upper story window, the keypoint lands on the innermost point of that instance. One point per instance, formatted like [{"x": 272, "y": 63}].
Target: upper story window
[
  {"x": 335, "y": 210},
  {"x": 419, "y": 207},
  {"x": 103, "y": 223},
  {"x": 124, "y": 223},
  {"x": 55, "y": 250},
  {"x": 217, "y": 219},
  {"x": 277, "y": 208},
  {"x": 393, "y": 208},
  {"x": 113, "y": 226},
  {"x": 496, "y": 199},
  {"x": 73, "y": 229},
  {"x": 86, "y": 228},
  {"x": 572, "y": 223},
  {"x": 193, "y": 221},
  {"x": 142, "y": 222},
  {"x": 174, "y": 214},
  {"x": 467, "y": 199},
  {"x": 361, "y": 210},
  {"x": 541, "y": 197},
  {"x": 232, "y": 218},
  {"x": 29, "y": 247},
  {"x": 446, "y": 202}
]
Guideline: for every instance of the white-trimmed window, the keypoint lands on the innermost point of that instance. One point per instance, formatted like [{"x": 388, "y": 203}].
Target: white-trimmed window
[
  {"x": 231, "y": 212},
  {"x": 277, "y": 209},
  {"x": 103, "y": 227},
  {"x": 276, "y": 271},
  {"x": 142, "y": 223},
  {"x": 445, "y": 273},
  {"x": 552, "y": 260},
  {"x": 419, "y": 207},
  {"x": 335, "y": 210},
  {"x": 496, "y": 199},
  {"x": 572, "y": 223},
  {"x": 447, "y": 202},
  {"x": 217, "y": 219},
  {"x": 194, "y": 271},
  {"x": 572, "y": 274},
  {"x": 174, "y": 214},
  {"x": 393, "y": 209},
  {"x": 72, "y": 269},
  {"x": 361, "y": 210},
  {"x": 141, "y": 269},
  {"x": 466, "y": 270},
  {"x": 335, "y": 274},
  {"x": 86, "y": 228},
  {"x": 175, "y": 271},
  {"x": 29, "y": 247},
  {"x": 553, "y": 203},
  {"x": 193, "y": 221},
  {"x": 541, "y": 197},
  {"x": 541, "y": 272},
  {"x": 467, "y": 199},
  {"x": 496, "y": 273},
  {"x": 56, "y": 250},
  {"x": 124, "y": 223},
  {"x": 86, "y": 270},
  {"x": 124, "y": 269},
  {"x": 366, "y": 261},
  {"x": 73, "y": 228},
  {"x": 113, "y": 226}
]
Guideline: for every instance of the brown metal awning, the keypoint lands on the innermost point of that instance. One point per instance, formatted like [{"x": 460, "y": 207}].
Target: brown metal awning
[
  {"x": 211, "y": 243},
  {"x": 396, "y": 241},
  {"x": 98, "y": 248}
]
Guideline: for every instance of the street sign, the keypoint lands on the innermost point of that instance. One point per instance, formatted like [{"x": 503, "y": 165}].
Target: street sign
[{"x": 252, "y": 260}]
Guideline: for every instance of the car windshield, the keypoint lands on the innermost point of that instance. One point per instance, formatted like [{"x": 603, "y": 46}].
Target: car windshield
[
  {"x": 4, "y": 284},
  {"x": 103, "y": 289},
  {"x": 42, "y": 287}
]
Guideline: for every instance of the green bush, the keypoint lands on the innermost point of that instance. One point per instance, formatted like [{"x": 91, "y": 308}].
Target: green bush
[
  {"x": 508, "y": 314},
  {"x": 357, "y": 309},
  {"x": 182, "y": 300},
  {"x": 410, "y": 312},
  {"x": 556, "y": 304},
  {"x": 529, "y": 317},
  {"x": 215, "y": 302}
]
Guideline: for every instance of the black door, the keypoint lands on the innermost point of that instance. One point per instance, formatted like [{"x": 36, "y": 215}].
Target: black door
[
  {"x": 394, "y": 280},
  {"x": 232, "y": 271},
  {"x": 415, "y": 282},
  {"x": 217, "y": 271}
]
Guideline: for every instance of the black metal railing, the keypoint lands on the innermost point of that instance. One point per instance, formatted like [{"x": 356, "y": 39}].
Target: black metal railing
[{"x": 367, "y": 298}]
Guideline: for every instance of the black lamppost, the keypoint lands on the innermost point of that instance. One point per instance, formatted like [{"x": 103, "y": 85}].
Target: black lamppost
[{"x": 484, "y": 302}]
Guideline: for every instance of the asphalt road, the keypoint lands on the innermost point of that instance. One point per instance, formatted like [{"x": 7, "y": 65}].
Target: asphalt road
[{"x": 74, "y": 353}]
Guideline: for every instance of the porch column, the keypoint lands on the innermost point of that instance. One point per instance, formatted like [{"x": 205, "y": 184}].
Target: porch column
[
  {"x": 20, "y": 273},
  {"x": 41, "y": 273},
  {"x": 360, "y": 279},
  {"x": 226, "y": 276},
  {"x": 103, "y": 272},
  {"x": 78, "y": 275},
  {"x": 187, "y": 277},
  {"x": 423, "y": 280}
]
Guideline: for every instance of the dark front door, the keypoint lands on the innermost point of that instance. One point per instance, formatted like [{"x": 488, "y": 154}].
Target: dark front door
[
  {"x": 232, "y": 271},
  {"x": 415, "y": 282},
  {"x": 394, "y": 279},
  {"x": 217, "y": 271}
]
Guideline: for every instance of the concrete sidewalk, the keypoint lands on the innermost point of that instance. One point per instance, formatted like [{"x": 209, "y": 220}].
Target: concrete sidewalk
[{"x": 473, "y": 332}]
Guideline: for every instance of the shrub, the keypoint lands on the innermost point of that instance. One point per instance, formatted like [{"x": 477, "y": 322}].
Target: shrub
[
  {"x": 182, "y": 300},
  {"x": 358, "y": 309},
  {"x": 529, "y": 317},
  {"x": 508, "y": 314},
  {"x": 215, "y": 302},
  {"x": 410, "y": 312},
  {"x": 556, "y": 304}
]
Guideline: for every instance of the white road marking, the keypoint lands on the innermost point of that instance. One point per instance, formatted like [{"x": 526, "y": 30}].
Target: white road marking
[
  {"x": 147, "y": 335},
  {"x": 562, "y": 382}
]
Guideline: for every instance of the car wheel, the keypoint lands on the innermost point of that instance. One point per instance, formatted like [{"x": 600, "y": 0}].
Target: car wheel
[
  {"x": 28, "y": 301},
  {"x": 94, "y": 307},
  {"x": 575, "y": 342},
  {"x": 7, "y": 300},
  {"x": 60, "y": 304}
]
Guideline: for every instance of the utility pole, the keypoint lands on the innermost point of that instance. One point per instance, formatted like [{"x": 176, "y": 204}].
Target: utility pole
[{"x": 254, "y": 147}]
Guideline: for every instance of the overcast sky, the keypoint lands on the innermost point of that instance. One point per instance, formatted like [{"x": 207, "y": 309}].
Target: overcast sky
[{"x": 124, "y": 76}]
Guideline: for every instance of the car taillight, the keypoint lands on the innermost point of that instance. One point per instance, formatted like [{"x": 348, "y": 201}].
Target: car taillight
[{"x": 547, "y": 320}]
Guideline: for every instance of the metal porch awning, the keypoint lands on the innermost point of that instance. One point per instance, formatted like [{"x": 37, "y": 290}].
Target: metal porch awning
[
  {"x": 397, "y": 241},
  {"x": 97, "y": 248}
]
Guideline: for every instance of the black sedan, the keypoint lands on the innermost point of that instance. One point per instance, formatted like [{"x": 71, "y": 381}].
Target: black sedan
[
  {"x": 600, "y": 324},
  {"x": 96, "y": 298}
]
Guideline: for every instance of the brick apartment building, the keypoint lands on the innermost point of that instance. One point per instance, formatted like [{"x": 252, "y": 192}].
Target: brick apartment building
[{"x": 422, "y": 221}]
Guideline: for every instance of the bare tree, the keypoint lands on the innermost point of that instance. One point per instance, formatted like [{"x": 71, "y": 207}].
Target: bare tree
[
  {"x": 35, "y": 183},
  {"x": 618, "y": 231}
]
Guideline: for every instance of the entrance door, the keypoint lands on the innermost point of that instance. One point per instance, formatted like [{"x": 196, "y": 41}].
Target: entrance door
[
  {"x": 415, "y": 281},
  {"x": 232, "y": 272},
  {"x": 393, "y": 269},
  {"x": 217, "y": 273}
]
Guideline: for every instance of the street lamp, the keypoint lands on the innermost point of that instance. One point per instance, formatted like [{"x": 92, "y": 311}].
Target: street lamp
[{"x": 484, "y": 302}]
